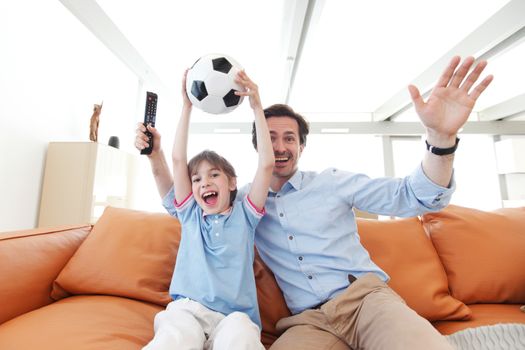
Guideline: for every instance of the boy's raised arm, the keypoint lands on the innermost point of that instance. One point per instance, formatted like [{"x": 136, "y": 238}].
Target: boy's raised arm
[
  {"x": 261, "y": 181},
  {"x": 181, "y": 178}
]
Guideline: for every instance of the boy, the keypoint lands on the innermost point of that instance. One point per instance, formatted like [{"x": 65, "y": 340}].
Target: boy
[{"x": 213, "y": 286}]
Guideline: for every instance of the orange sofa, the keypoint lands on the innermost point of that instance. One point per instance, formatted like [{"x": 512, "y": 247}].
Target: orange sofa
[{"x": 99, "y": 287}]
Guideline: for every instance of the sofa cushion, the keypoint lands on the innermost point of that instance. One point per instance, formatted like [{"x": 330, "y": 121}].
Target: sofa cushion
[
  {"x": 403, "y": 250},
  {"x": 82, "y": 322},
  {"x": 30, "y": 261},
  {"x": 483, "y": 252},
  {"x": 484, "y": 315},
  {"x": 128, "y": 253}
]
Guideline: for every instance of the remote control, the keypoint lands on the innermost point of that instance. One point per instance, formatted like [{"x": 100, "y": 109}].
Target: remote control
[{"x": 149, "y": 118}]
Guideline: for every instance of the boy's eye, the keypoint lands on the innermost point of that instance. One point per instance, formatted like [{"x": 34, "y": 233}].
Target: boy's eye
[
  {"x": 215, "y": 175},
  {"x": 195, "y": 179}
]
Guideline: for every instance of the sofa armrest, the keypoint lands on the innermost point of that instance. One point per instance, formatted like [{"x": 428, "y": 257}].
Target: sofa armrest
[{"x": 30, "y": 261}]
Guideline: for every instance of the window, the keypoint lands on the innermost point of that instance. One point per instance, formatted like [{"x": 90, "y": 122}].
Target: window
[
  {"x": 355, "y": 153},
  {"x": 474, "y": 169}
]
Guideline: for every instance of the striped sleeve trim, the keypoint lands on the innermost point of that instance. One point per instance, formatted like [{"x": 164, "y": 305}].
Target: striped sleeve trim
[
  {"x": 184, "y": 203},
  {"x": 254, "y": 209}
]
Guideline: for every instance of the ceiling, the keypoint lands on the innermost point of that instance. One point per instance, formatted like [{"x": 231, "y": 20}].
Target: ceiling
[{"x": 336, "y": 61}]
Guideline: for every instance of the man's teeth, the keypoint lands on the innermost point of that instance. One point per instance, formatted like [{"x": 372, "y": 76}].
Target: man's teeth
[{"x": 281, "y": 159}]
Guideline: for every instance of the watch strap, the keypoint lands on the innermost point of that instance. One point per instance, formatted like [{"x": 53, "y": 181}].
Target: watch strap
[{"x": 442, "y": 151}]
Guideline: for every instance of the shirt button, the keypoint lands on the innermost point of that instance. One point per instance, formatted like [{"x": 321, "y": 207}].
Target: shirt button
[
  {"x": 281, "y": 214},
  {"x": 216, "y": 234},
  {"x": 300, "y": 258},
  {"x": 278, "y": 196},
  {"x": 216, "y": 221},
  {"x": 310, "y": 277},
  {"x": 290, "y": 237}
]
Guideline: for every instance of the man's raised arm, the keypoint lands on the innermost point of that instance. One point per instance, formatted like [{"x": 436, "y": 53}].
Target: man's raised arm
[{"x": 445, "y": 112}]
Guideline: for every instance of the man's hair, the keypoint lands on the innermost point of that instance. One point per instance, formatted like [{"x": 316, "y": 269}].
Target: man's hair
[
  {"x": 217, "y": 161},
  {"x": 282, "y": 110}
]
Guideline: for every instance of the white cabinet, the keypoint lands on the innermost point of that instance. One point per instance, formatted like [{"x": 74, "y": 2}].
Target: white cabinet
[{"x": 81, "y": 179}]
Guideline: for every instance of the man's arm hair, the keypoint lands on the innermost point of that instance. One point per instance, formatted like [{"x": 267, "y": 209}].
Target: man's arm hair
[{"x": 161, "y": 173}]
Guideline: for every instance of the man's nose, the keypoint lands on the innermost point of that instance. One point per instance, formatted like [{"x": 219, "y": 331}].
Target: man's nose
[{"x": 278, "y": 146}]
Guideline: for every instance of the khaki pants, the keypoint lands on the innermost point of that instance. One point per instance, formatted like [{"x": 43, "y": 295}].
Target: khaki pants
[{"x": 367, "y": 315}]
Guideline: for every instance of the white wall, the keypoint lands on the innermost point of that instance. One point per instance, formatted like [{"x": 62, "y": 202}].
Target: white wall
[{"x": 51, "y": 74}]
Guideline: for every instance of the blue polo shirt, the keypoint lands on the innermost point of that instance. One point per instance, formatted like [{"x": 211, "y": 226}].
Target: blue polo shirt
[{"x": 215, "y": 259}]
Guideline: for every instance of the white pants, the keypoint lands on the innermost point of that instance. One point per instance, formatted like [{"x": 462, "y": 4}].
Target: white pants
[{"x": 187, "y": 325}]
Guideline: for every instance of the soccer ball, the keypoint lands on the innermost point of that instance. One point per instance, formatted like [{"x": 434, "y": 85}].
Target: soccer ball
[{"x": 210, "y": 84}]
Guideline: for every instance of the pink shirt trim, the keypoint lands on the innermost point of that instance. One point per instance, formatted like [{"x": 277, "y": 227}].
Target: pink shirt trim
[
  {"x": 178, "y": 206},
  {"x": 259, "y": 211}
]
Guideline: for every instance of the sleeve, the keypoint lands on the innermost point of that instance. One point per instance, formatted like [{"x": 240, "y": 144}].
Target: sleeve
[
  {"x": 186, "y": 208},
  {"x": 168, "y": 202},
  {"x": 252, "y": 213},
  {"x": 412, "y": 195}
]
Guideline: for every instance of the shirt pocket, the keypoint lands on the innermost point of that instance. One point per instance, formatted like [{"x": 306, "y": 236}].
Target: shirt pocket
[{"x": 312, "y": 213}]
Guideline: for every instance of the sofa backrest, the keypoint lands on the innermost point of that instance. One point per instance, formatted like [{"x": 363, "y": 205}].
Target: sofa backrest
[{"x": 29, "y": 263}]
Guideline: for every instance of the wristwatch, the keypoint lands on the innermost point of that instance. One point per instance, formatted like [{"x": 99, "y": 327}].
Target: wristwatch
[{"x": 442, "y": 151}]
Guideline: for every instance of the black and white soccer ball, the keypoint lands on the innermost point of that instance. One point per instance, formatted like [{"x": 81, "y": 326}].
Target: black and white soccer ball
[{"x": 210, "y": 84}]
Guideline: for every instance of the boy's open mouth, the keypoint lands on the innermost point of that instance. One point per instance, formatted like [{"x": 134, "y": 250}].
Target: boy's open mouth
[{"x": 210, "y": 197}]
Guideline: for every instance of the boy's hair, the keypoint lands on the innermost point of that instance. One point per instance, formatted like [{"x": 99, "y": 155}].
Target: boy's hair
[
  {"x": 282, "y": 110},
  {"x": 217, "y": 161}
]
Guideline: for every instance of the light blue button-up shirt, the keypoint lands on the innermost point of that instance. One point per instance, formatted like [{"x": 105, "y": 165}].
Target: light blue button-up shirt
[{"x": 309, "y": 238}]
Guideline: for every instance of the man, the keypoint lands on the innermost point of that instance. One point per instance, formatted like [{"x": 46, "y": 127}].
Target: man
[{"x": 338, "y": 297}]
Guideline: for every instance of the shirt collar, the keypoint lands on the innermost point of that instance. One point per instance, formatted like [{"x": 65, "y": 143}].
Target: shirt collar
[
  {"x": 295, "y": 182},
  {"x": 226, "y": 212}
]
